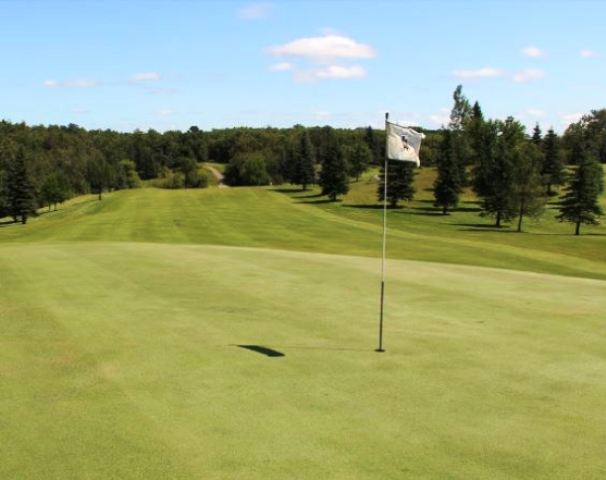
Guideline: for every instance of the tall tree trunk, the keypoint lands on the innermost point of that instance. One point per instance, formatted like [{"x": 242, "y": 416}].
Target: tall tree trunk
[
  {"x": 100, "y": 193},
  {"x": 577, "y": 230},
  {"x": 498, "y": 223},
  {"x": 445, "y": 210}
]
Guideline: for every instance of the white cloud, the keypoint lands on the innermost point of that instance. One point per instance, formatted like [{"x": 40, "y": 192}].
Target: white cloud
[
  {"x": 78, "y": 83},
  {"x": 282, "y": 67},
  {"x": 145, "y": 77},
  {"x": 533, "y": 52},
  {"x": 340, "y": 71},
  {"x": 329, "y": 72},
  {"x": 255, "y": 11},
  {"x": 165, "y": 112},
  {"x": 323, "y": 49},
  {"x": 486, "y": 72},
  {"x": 528, "y": 75},
  {"x": 534, "y": 112},
  {"x": 586, "y": 53}
]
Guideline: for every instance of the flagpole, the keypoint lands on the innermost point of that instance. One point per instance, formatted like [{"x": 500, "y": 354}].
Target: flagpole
[{"x": 381, "y": 349}]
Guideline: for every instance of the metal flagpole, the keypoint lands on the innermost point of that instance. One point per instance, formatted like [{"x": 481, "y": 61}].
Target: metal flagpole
[{"x": 381, "y": 349}]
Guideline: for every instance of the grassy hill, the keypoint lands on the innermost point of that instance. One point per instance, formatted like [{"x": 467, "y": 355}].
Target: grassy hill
[{"x": 120, "y": 322}]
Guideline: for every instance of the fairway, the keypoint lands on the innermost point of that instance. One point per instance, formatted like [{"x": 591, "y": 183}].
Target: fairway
[{"x": 121, "y": 322}]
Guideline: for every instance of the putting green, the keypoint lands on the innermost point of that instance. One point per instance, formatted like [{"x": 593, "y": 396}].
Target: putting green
[{"x": 117, "y": 360}]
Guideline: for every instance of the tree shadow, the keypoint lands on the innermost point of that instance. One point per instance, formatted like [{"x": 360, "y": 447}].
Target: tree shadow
[
  {"x": 287, "y": 190},
  {"x": 319, "y": 202},
  {"x": 311, "y": 195},
  {"x": 268, "y": 352}
]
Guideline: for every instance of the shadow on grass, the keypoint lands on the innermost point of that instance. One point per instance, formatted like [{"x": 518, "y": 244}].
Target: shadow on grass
[
  {"x": 287, "y": 190},
  {"x": 311, "y": 195},
  {"x": 268, "y": 352},
  {"x": 319, "y": 202},
  {"x": 370, "y": 206}
]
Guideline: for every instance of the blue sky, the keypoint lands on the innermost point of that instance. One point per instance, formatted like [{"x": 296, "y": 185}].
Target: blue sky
[{"x": 164, "y": 65}]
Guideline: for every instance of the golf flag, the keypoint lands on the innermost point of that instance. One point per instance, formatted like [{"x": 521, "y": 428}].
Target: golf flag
[{"x": 403, "y": 143}]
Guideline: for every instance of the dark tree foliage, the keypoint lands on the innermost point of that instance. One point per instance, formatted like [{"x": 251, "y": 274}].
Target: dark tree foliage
[
  {"x": 303, "y": 171},
  {"x": 333, "y": 177},
  {"x": 373, "y": 144},
  {"x": 400, "y": 182},
  {"x": 537, "y": 135},
  {"x": 460, "y": 117},
  {"x": 580, "y": 203},
  {"x": 247, "y": 169},
  {"x": 494, "y": 174},
  {"x": 447, "y": 186},
  {"x": 19, "y": 189},
  {"x": 473, "y": 132},
  {"x": 358, "y": 157},
  {"x": 192, "y": 178},
  {"x": 527, "y": 193},
  {"x": 55, "y": 190},
  {"x": 99, "y": 175},
  {"x": 552, "y": 168}
]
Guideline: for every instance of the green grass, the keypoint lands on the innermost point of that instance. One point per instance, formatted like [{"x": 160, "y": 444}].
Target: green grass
[{"x": 119, "y": 322}]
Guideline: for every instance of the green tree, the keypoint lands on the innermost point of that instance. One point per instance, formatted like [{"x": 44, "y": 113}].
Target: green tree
[
  {"x": 128, "y": 176},
  {"x": 537, "y": 137},
  {"x": 460, "y": 117},
  {"x": 358, "y": 158},
  {"x": 494, "y": 175},
  {"x": 99, "y": 174},
  {"x": 553, "y": 163},
  {"x": 247, "y": 169},
  {"x": 580, "y": 203},
  {"x": 192, "y": 177},
  {"x": 371, "y": 140},
  {"x": 20, "y": 192},
  {"x": 527, "y": 192},
  {"x": 55, "y": 190},
  {"x": 333, "y": 177},
  {"x": 304, "y": 161},
  {"x": 447, "y": 186},
  {"x": 400, "y": 182}
]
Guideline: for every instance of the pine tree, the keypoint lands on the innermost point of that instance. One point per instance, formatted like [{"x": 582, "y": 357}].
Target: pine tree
[
  {"x": 553, "y": 165},
  {"x": 460, "y": 117},
  {"x": 494, "y": 175},
  {"x": 20, "y": 192},
  {"x": 358, "y": 157},
  {"x": 333, "y": 177},
  {"x": 473, "y": 131},
  {"x": 400, "y": 182},
  {"x": 447, "y": 186},
  {"x": 537, "y": 135},
  {"x": 580, "y": 203},
  {"x": 373, "y": 144},
  {"x": 527, "y": 189},
  {"x": 304, "y": 161}
]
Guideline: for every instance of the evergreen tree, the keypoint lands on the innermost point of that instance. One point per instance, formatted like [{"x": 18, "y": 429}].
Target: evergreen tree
[
  {"x": 20, "y": 192},
  {"x": 527, "y": 188},
  {"x": 447, "y": 186},
  {"x": 494, "y": 175},
  {"x": 460, "y": 117},
  {"x": 304, "y": 161},
  {"x": 553, "y": 165},
  {"x": 55, "y": 190},
  {"x": 333, "y": 177},
  {"x": 473, "y": 132},
  {"x": 99, "y": 174},
  {"x": 580, "y": 203},
  {"x": 537, "y": 138},
  {"x": 400, "y": 182},
  {"x": 373, "y": 144},
  {"x": 358, "y": 158}
]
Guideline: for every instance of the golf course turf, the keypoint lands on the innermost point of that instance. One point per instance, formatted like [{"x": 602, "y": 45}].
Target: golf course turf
[{"x": 122, "y": 320}]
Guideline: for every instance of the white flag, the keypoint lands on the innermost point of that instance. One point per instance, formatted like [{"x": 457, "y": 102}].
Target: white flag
[{"x": 403, "y": 143}]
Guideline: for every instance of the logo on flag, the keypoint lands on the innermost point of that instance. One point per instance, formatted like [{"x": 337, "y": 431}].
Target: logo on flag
[{"x": 403, "y": 143}]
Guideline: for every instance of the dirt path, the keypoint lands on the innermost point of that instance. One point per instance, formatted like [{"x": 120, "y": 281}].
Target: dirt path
[{"x": 218, "y": 175}]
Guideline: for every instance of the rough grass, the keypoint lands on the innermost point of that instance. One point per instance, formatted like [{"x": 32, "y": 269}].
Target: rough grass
[{"x": 120, "y": 321}]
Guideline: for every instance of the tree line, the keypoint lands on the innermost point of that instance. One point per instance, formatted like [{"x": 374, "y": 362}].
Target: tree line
[{"x": 512, "y": 173}]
